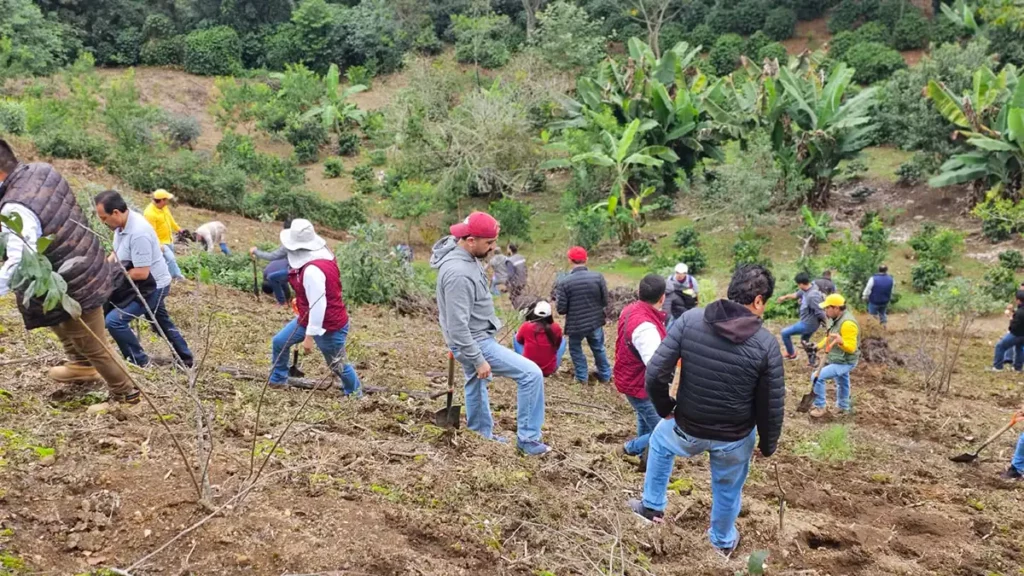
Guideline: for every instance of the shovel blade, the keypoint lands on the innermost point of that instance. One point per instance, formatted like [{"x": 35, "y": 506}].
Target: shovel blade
[
  {"x": 448, "y": 417},
  {"x": 964, "y": 458},
  {"x": 806, "y": 401}
]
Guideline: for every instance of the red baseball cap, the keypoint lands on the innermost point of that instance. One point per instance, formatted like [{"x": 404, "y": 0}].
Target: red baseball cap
[
  {"x": 477, "y": 225},
  {"x": 577, "y": 254}
]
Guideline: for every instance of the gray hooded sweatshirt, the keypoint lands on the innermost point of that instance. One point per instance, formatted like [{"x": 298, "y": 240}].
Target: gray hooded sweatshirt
[{"x": 464, "y": 301}]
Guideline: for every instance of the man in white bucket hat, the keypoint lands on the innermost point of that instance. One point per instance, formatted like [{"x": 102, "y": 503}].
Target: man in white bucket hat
[{"x": 322, "y": 318}]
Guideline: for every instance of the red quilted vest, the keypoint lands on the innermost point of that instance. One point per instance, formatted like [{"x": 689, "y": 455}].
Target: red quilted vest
[
  {"x": 629, "y": 367},
  {"x": 336, "y": 316}
]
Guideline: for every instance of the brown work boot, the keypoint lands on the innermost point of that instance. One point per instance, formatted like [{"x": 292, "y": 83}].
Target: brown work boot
[
  {"x": 74, "y": 373},
  {"x": 818, "y": 412}
]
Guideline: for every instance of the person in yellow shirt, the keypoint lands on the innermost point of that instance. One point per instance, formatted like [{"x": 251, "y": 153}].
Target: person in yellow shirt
[
  {"x": 842, "y": 343},
  {"x": 158, "y": 214}
]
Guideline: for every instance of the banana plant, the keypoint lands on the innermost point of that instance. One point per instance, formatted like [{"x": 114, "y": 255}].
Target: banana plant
[
  {"x": 962, "y": 14},
  {"x": 335, "y": 111}
]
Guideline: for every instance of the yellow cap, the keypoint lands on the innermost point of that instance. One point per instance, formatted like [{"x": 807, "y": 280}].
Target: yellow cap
[
  {"x": 834, "y": 300},
  {"x": 162, "y": 194}
]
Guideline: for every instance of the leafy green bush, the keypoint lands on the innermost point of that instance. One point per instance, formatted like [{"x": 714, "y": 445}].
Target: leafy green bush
[
  {"x": 1011, "y": 260},
  {"x": 1001, "y": 282},
  {"x": 213, "y": 52},
  {"x": 233, "y": 271},
  {"x": 811, "y": 9},
  {"x": 869, "y": 32},
  {"x": 163, "y": 52},
  {"x": 193, "y": 177},
  {"x": 780, "y": 24},
  {"x": 639, "y": 249},
  {"x": 411, "y": 201},
  {"x": 703, "y": 36},
  {"x": 333, "y": 168},
  {"x": 686, "y": 236},
  {"x": 371, "y": 271},
  {"x": 725, "y": 55},
  {"x": 30, "y": 43},
  {"x": 306, "y": 135},
  {"x": 514, "y": 217},
  {"x": 366, "y": 181},
  {"x": 72, "y": 142},
  {"x": 873, "y": 62},
  {"x": 13, "y": 117},
  {"x": 587, "y": 227},
  {"x": 359, "y": 75},
  {"x": 912, "y": 32},
  {"x": 846, "y": 16},
  {"x": 566, "y": 37},
  {"x": 482, "y": 40},
  {"x": 183, "y": 131},
  {"x": 773, "y": 51},
  {"x": 749, "y": 16},
  {"x": 857, "y": 260},
  {"x": 240, "y": 151},
  {"x": 926, "y": 274},
  {"x": 348, "y": 143},
  {"x": 695, "y": 258},
  {"x": 426, "y": 42},
  {"x": 938, "y": 244},
  {"x": 378, "y": 157},
  {"x": 158, "y": 26},
  {"x": 747, "y": 249},
  {"x": 279, "y": 202},
  {"x": 755, "y": 42},
  {"x": 372, "y": 36}
]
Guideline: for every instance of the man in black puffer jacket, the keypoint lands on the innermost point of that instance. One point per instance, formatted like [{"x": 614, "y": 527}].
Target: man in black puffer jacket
[
  {"x": 731, "y": 386},
  {"x": 581, "y": 297}
]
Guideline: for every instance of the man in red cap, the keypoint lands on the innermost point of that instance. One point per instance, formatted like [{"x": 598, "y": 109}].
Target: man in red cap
[
  {"x": 468, "y": 323},
  {"x": 582, "y": 297}
]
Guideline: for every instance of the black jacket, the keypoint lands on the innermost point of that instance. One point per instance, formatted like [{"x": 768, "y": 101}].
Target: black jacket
[
  {"x": 731, "y": 379},
  {"x": 1017, "y": 323},
  {"x": 123, "y": 294},
  {"x": 581, "y": 297}
]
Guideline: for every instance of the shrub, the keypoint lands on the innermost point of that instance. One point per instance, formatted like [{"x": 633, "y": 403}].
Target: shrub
[
  {"x": 873, "y": 32},
  {"x": 183, "y": 131},
  {"x": 411, "y": 201},
  {"x": 378, "y": 157},
  {"x": 780, "y": 24},
  {"x": 673, "y": 33},
  {"x": 427, "y": 42},
  {"x": 926, "y": 274},
  {"x": 371, "y": 272},
  {"x": 348, "y": 143},
  {"x": 234, "y": 271},
  {"x": 333, "y": 168},
  {"x": 912, "y": 32},
  {"x": 359, "y": 75},
  {"x": 514, "y": 217},
  {"x": 306, "y": 135},
  {"x": 163, "y": 52},
  {"x": 213, "y": 52},
  {"x": 280, "y": 201},
  {"x": 846, "y": 16},
  {"x": 13, "y": 117},
  {"x": 72, "y": 142},
  {"x": 482, "y": 40},
  {"x": 857, "y": 260},
  {"x": 366, "y": 181},
  {"x": 725, "y": 55},
  {"x": 749, "y": 16},
  {"x": 193, "y": 177},
  {"x": 240, "y": 151},
  {"x": 1011, "y": 260},
  {"x": 372, "y": 36},
  {"x": 811, "y": 9},
  {"x": 587, "y": 227},
  {"x": 1000, "y": 282},
  {"x": 938, "y": 244},
  {"x": 873, "y": 62},
  {"x": 702, "y": 36},
  {"x": 639, "y": 249},
  {"x": 747, "y": 249},
  {"x": 773, "y": 51},
  {"x": 694, "y": 258},
  {"x": 756, "y": 41},
  {"x": 686, "y": 236},
  {"x": 566, "y": 37},
  {"x": 841, "y": 43}
]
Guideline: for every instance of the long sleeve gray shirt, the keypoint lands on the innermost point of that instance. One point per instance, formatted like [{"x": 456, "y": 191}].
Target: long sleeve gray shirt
[{"x": 464, "y": 302}]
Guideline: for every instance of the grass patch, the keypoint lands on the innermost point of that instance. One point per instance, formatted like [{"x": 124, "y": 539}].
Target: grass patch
[
  {"x": 832, "y": 445},
  {"x": 882, "y": 162}
]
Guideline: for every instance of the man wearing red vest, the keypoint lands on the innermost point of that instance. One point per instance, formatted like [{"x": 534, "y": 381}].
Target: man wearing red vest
[
  {"x": 322, "y": 319},
  {"x": 641, "y": 330}
]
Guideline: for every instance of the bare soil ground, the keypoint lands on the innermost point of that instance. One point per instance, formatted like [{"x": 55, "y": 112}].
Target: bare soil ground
[{"x": 371, "y": 487}]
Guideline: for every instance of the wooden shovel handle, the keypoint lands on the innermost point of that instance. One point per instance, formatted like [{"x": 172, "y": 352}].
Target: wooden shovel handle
[
  {"x": 451, "y": 375},
  {"x": 999, "y": 432}
]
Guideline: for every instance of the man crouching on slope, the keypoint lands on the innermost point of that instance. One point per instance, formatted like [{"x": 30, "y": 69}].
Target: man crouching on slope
[
  {"x": 731, "y": 387},
  {"x": 468, "y": 323}
]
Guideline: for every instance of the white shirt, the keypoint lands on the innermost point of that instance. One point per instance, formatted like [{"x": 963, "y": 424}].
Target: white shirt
[
  {"x": 30, "y": 229},
  {"x": 869, "y": 288},
  {"x": 213, "y": 233},
  {"x": 315, "y": 283},
  {"x": 646, "y": 340}
]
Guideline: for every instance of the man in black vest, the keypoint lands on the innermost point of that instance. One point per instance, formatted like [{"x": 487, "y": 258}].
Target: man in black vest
[
  {"x": 582, "y": 296},
  {"x": 41, "y": 197},
  {"x": 878, "y": 293}
]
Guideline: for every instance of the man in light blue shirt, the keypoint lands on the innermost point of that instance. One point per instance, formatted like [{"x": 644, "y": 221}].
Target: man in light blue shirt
[{"x": 135, "y": 243}]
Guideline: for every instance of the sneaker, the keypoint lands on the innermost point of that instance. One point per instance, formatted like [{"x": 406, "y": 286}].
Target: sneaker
[
  {"x": 74, "y": 373},
  {"x": 1011, "y": 473},
  {"x": 818, "y": 412},
  {"x": 499, "y": 439},
  {"x": 532, "y": 447},
  {"x": 728, "y": 552},
  {"x": 993, "y": 369},
  {"x": 279, "y": 385},
  {"x": 648, "y": 515},
  {"x": 789, "y": 356}
]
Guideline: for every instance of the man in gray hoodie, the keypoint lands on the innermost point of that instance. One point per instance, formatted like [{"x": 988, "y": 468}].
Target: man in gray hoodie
[{"x": 468, "y": 323}]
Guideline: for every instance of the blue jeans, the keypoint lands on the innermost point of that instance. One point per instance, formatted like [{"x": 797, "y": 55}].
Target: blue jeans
[
  {"x": 579, "y": 362},
  {"x": 558, "y": 355},
  {"x": 529, "y": 397},
  {"x": 1009, "y": 343},
  {"x": 730, "y": 462},
  {"x": 279, "y": 282},
  {"x": 805, "y": 331},
  {"x": 172, "y": 262},
  {"x": 224, "y": 248},
  {"x": 1018, "y": 455},
  {"x": 118, "y": 325},
  {"x": 331, "y": 345},
  {"x": 880, "y": 310},
  {"x": 646, "y": 420},
  {"x": 841, "y": 374}
]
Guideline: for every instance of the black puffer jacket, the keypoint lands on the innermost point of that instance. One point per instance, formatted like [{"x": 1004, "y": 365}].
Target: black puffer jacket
[
  {"x": 731, "y": 380},
  {"x": 1017, "y": 322},
  {"x": 581, "y": 297}
]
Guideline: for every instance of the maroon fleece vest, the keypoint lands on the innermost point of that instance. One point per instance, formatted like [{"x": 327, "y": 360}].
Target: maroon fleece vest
[
  {"x": 336, "y": 316},
  {"x": 629, "y": 367}
]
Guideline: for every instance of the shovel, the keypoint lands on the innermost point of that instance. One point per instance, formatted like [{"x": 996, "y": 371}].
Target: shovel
[
  {"x": 808, "y": 399},
  {"x": 968, "y": 457},
  {"x": 255, "y": 281},
  {"x": 449, "y": 416},
  {"x": 293, "y": 370}
]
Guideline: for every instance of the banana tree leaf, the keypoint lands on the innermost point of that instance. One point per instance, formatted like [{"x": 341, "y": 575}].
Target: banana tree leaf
[
  {"x": 947, "y": 104},
  {"x": 663, "y": 152},
  {"x": 644, "y": 159},
  {"x": 838, "y": 81},
  {"x": 664, "y": 109},
  {"x": 555, "y": 164},
  {"x": 595, "y": 158},
  {"x": 665, "y": 72},
  {"x": 648, "y": 125},
  {"x": 681, "y": 131},
  {"x": 1015, "y": 125},
  {"x": 991, "y": 144},
  {"x": 589, "y": 92},
  {"x": 968, "y": 174},
  {"x": 1018, "y": 96},
  {"x": 792, "y": 87},
  {"x": 626, "y": 142}
]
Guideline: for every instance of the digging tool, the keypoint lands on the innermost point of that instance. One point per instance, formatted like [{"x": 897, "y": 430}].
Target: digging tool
[
  {"x": 449, "y": 416},
  {"x": 255, "y": 281},
  {"x": 967, "y": 457},
  {"x": 808, "y": 399},
  {"x": 293, "y": 370}
]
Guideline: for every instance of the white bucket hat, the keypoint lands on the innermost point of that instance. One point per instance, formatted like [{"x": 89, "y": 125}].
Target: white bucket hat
[
  {"x": 682, "y": 268},
  {"x": 542, "y": 309},
  {"x": 301, "y": 236}
]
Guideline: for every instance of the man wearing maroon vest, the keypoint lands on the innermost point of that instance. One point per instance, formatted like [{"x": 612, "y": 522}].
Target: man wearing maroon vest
[
  {"x": 641, "y": 330},
  {"x": 322, "y": 318}
]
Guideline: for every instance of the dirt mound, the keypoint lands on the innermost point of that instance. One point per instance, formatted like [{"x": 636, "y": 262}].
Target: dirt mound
[
  {"x": 877, "y": 351},
  {"x": 618, "y": 298}
]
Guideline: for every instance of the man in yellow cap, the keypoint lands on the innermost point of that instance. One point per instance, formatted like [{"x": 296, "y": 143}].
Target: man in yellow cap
[
  {"x": 842, "y": 344},
  {"x": 158, "y": 214}
]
